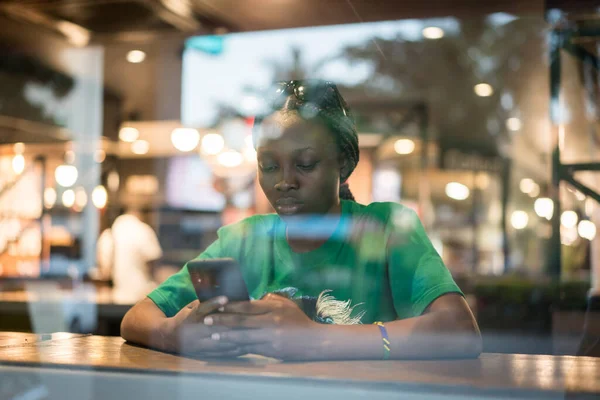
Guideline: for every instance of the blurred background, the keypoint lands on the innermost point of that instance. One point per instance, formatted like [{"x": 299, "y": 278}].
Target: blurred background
[{"x": 125, "y": 138}]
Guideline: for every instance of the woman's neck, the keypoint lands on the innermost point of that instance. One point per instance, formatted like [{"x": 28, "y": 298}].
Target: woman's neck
[{"x": 310, "y": 233}]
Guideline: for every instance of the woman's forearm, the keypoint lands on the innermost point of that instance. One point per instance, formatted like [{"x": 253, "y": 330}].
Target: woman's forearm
[
  {"x": 144, "y": 324},
  {"x": 440, "y": 333}
]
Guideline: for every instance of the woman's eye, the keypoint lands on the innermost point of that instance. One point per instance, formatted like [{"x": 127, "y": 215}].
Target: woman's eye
[
  {"x": 268, "y": 167},
  {"x": 307, "y": 167}
]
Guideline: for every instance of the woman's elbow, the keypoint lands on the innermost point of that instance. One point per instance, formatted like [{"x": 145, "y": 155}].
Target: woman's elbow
[{"x": 471, "y": 343}]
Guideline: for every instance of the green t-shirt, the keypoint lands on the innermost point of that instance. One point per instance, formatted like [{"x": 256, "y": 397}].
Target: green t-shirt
[{"x": 391, "y": 272}]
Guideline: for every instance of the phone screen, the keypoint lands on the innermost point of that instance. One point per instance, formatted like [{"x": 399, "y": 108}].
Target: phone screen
[{"x": 218, "y": 277}]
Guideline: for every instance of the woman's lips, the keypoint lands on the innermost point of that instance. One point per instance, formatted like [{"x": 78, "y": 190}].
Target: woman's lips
[{"x": 288, "y": 205}]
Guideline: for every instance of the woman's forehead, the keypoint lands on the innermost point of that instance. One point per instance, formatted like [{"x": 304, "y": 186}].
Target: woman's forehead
[{"x": 292, "y": 131}]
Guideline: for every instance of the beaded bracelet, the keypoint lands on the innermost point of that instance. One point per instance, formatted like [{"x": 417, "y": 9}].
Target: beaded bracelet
[{"x": 385, "y": 339}]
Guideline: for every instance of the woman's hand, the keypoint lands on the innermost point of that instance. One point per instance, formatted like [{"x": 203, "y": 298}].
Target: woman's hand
[
  {"x": 185, "y": 333},
  {"x": 273, "y": 326}
]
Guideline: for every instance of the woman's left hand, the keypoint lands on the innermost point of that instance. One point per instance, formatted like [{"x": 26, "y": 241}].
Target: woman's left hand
[{"x": 273, "y": 326}]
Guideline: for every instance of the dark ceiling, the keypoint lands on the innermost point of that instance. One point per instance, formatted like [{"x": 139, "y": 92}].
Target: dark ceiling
[{"x": 102, "y": 18}]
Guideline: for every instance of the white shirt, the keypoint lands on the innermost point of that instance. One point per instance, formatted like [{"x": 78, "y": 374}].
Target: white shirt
[{"x": 128, "y": 247}]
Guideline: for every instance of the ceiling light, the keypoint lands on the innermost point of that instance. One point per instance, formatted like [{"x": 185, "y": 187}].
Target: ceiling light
[
  {"x": 185, "y": 139},
  {"x": 136, "y": 56},
  {"x": 230, "y": 159},
  {"x": 113, "y": 181},
  {"x": 404, "y": 146},
  {"x": 513, "y": 124},
  {"x": 140, "y": 147},
  {"x": 49, "y": 197},
  {"x": 212, "y": 143},
  {"x": 457, "y": 191},
  {"x": 544, "y": 207},
  {"x": 68, "y": 198},
  {"x": 99, "y": 196},
  {"x": 527, "y": 185},
  {"x": 433, "y": 32},
  {"x": 519, "y": 219},
  {"x": 568, "y": 219},
  {"x": 483, "y": 90},
  {"x": 80, "y": 198},
  {"x": 129, "y": 134},
  {"x": 587, "y": 229},
  {"x": 18, "y": 164},
  {"x": 66, "y": 175}
]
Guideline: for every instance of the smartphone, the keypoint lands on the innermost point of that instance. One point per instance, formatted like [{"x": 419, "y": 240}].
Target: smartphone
[{"x": 218, "y": 277}]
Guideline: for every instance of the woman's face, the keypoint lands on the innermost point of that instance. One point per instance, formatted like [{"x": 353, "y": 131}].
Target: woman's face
[{"x": 298, "y": 165}]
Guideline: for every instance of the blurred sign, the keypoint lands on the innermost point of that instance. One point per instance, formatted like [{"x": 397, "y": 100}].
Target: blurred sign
[
  {"x": 454, "y": 159},
  {"x": 207, "y": 44}
]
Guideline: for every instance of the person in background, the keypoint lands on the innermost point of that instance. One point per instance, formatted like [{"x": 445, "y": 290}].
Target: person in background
[
  {"x": 371, "y": 283},
  {"x": 126, "y": 253}
]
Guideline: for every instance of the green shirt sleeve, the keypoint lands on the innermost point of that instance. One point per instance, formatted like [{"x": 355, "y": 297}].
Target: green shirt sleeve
[
  {"x": 177, "y": 291},
  {"x": 417, "y": 273}
]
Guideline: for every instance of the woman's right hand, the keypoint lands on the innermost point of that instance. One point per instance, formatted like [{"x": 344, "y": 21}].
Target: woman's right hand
[{"x": 186, "y": 333}]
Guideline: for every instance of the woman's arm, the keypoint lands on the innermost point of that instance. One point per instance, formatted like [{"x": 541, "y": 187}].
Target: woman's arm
[
  {"x": 276, "y": 327},
  {"x": 147, "y": 325},
  {"x": 446, "y": 329}
]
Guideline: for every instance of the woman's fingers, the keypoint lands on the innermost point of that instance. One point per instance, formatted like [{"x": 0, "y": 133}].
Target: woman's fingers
[
  {"x": 201, "y": 310},
  {"x": 250, "y": 307},
  {"x": 240, "y": 321},
  {"x": 244, "y": 337}
]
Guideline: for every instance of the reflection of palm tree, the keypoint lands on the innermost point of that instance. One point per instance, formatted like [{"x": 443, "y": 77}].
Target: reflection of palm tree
[{"x": 443, "y": 73}]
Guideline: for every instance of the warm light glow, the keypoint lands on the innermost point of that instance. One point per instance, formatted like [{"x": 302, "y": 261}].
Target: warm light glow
[
  {"x": 250, "y": 154},
  {"x": 519, "y": 219},
  {"x": 99, "y": 196},
  {"x": 70, "y": 157},
  {"x": 66, "y": 175},
  {"x": 68, "y": 198},
  {"x": 81, "y": 198},
  {"x": 404, "y": 146},
  {"x": 483, "y": 90},
  {"x": 18, "y": 164},
  {"x": 230, "y": 159},
  {"x": 140, "y": 147},
  {"x": 527, "y": 185},
  {"x": 136, "y": 56},
  {"x": 589, "y": 206},
  {"x": 482, "y": 181},
  {"x": 569, "y": 219},
  {"x": 49, "y": 197},
  {"x": 457, "y": 191},
  {"x": 129, "y": 134},
  {"x": 212, "y": 143},
  {"x": 535, "y": 191},
  {"x": 568, "y": 236},
  {"x": 99, "y": 156},
  {"x": 587, "y": 229},
  {"x": 113, "y": 181},
  {"x": 185, "y": 139},
  {"x": 513, "y": 124},
  {"x": 19, "y": 148},
  {"x": 433, "y": 32},
  {"x": 544, "y": 207}
]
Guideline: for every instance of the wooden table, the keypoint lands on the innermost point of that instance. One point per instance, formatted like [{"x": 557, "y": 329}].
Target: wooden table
[{"x": 107, "y": 367}]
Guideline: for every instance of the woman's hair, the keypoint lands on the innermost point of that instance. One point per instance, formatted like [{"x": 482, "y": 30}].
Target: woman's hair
[{"x": 338, "y": 121}]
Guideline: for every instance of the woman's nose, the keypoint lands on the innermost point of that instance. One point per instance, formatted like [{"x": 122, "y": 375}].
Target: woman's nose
[{"x": 287, "y": 182}]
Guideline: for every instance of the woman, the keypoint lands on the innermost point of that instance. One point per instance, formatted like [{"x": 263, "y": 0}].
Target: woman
[{"x": 320, "y": 245}]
